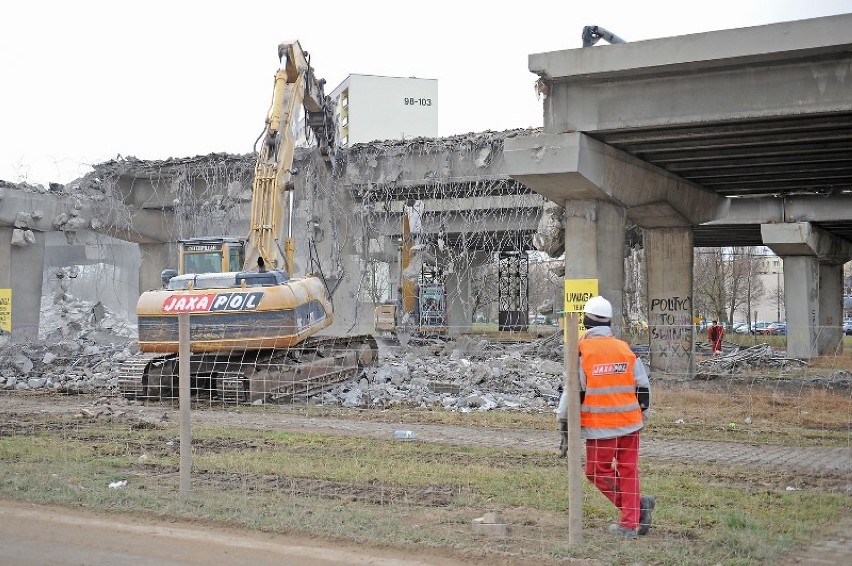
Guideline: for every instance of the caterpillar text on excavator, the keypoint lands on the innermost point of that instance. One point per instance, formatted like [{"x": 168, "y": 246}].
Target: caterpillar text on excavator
[{"x": 253, "y": 324}]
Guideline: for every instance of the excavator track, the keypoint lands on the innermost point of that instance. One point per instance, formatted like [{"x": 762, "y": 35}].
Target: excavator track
[
  {"x": 279, "y": 376},
  {"x": 131, "y": 374},
  {"x": 322, "y": 362}
]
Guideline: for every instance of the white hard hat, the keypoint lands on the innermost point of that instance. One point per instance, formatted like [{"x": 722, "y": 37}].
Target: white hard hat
[{"x": 598, "y": 308}]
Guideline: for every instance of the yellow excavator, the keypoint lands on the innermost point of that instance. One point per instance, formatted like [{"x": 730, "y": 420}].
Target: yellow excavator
[{"x": 253, "y": 323}]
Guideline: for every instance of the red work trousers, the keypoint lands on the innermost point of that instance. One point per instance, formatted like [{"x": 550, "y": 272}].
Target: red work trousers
[{"x": 612, "y": 464}]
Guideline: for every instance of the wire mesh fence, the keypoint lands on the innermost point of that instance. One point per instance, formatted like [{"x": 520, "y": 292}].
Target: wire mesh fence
[{"x": 447, "y": 440}]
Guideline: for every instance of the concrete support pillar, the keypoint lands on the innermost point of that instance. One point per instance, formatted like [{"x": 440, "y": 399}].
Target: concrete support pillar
[
  {"x": 594, "y": 249},
  {"x": 813, "y": 300},
  {"x": 354, "y": 311},
  {"x": 392, "y": 254},
  {"x": 801, "y": 302},
  {"x": 155, "y": 258},
  {"x": 813, "y": 285},
  {"x": 669, "y": 263},
  {"x": 21, "y": 269},
  {"x": 830, "y": 334},
  {"x": 459, "y": 290},
  {"x": 127, "y": 270}
]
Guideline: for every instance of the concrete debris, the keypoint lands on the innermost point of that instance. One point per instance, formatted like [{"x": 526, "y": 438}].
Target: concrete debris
[
  {"x": 759, "y": 356},
  {"x": 550, "y": 233},
  {"x": 491, "y": 524},
  {"x": 74, "y": 353},
  {"x": 82, "y": 346},
  {"x": 464, "y": 375},
  {"x": 22, "y": 237}
]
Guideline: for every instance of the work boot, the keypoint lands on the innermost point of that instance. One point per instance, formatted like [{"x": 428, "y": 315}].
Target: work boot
[
  {"x": 624, "y": 532},
  {"x": 563, "y": 442},
  {"x": 646, "y": 506}
]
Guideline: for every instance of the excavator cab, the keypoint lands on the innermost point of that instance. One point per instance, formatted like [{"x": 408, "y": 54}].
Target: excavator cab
[
  {"x": 432, "y": 310},
  {"x": 211, "y": 255}
]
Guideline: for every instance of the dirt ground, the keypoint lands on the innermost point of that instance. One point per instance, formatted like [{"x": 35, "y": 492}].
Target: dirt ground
[{"x": 39, "y": 535}]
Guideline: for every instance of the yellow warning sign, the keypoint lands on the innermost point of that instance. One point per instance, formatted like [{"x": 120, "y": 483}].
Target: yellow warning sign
[
  {"x": 577, "y": 294},
  {"x": 6, "y": 310}
]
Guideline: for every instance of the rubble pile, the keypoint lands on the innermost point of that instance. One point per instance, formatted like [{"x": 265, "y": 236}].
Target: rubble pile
[
  {"x": 466, "y": 374},
  {"x": 758, "y": 356},
  {"x": 80, "y": 348}
]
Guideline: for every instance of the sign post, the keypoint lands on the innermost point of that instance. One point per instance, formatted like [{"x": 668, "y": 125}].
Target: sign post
[
  {"x": 184, "y": 402},
  {"x": 577, "y": 293}
]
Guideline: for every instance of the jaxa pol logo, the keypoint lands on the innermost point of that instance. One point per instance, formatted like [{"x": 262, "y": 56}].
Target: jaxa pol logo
[
  {"x": 602, "y": 369},
  {"x": 213, "y": 302}
]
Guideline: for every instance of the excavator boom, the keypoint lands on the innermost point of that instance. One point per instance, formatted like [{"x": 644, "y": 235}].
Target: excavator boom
[{"x": 295, "y": 86}]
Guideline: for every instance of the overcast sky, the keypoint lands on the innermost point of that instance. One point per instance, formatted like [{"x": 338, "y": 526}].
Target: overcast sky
[{"x": 85, "y": 80}]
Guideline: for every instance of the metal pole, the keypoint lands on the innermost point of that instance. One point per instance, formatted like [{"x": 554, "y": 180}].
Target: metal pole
[
  {"x": 183, "y": 387},
  {"x": 575, "y": 445}
]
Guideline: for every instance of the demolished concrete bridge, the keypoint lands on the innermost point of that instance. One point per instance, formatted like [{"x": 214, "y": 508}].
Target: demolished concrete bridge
[{"x": 741, "y": 138}]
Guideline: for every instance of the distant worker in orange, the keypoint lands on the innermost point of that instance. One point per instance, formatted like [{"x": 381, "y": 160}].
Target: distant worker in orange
[{"x": 715, "y": 333}]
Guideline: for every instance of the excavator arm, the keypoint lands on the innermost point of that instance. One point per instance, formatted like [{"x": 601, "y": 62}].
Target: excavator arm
[{"x": 272, "y": 189}]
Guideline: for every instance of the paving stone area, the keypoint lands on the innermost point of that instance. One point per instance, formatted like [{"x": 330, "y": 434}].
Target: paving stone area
[{"x": 805, "y": 459}]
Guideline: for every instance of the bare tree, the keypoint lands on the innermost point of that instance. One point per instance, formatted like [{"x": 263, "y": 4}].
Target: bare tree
[
  {"x": 710, "y": 273},
  {"x": 744, "y": 285}
]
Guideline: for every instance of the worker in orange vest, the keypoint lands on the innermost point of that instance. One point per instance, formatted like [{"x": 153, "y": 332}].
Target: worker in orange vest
[{"x": 615, "y": 392}]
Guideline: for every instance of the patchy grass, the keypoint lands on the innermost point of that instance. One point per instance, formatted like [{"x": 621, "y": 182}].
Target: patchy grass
[
  {"x": 803, "y": 417},
  {"x": 402, "y": 493}
]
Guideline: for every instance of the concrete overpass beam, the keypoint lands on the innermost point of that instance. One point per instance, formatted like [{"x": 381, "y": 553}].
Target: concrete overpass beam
[
  {"x": 803, "y": 238},
  {"x": 576, "y": 166},
  {"x": 813, "y": 285},
  {"x": 669, "y": 261},
  {"x": 21, "y": 270}
]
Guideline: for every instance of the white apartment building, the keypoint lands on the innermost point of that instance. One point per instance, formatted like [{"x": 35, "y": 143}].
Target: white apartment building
[
  {"x": 374, "y": 108},
  {"x": 771, "y": 307}
]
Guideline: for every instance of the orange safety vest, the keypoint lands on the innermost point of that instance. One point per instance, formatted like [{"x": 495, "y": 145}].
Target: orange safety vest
[{"x": 610, "y": 400}]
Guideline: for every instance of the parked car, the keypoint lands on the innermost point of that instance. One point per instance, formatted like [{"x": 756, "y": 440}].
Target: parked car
[
  {"x": 760, "y": 327},
  {"x": 776, "y": 328},
  {"x": 847, "y": 327},
  {"x": 741, "y": 328}
]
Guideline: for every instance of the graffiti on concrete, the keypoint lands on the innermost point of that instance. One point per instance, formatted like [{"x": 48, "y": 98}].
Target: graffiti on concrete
[{"x": 670, "y": 327}]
